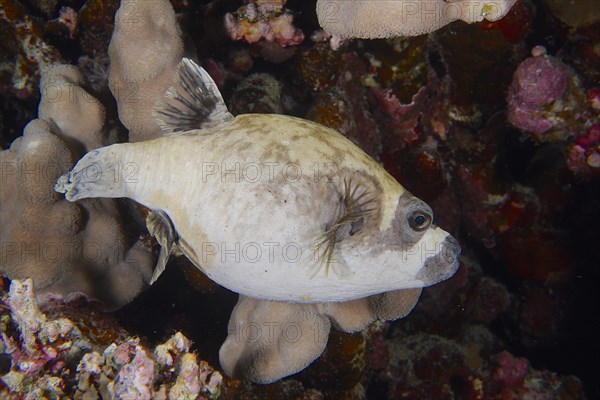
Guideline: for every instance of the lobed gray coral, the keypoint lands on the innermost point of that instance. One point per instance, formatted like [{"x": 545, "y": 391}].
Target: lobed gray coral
[
  {"x": 66, "y": 248},
  {"x": 144, "y": 51},
  {"x": 387, "y": 18}
]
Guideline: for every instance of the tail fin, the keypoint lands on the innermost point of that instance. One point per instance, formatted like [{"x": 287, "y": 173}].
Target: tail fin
[{"x": 100, "y": 173}]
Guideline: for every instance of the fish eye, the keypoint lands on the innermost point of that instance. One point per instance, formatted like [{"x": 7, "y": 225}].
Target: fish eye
[{"x": 419, "y": 221}]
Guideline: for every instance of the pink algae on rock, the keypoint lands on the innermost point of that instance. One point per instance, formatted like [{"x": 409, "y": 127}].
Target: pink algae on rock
[
  {"x": 584, "y": 153},
  {"x": 509, "y": 369},
  {"x": 267, "y": 20},
  {"x": 545, "y": 98},
  {"x": 60, "y": 358}
]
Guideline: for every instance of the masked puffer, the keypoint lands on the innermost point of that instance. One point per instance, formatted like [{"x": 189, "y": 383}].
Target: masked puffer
[
  {"x": 269, "y": 206},
  {"x": 306, "y": 227}
]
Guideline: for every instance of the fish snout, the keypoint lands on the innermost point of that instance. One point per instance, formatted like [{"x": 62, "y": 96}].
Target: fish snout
[
  {"x": 451, "y": 249},
  {"x": 443, "y": 265}
]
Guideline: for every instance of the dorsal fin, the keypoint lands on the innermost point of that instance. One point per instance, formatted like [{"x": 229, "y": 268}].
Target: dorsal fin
[{"x": 193, "y": 103}]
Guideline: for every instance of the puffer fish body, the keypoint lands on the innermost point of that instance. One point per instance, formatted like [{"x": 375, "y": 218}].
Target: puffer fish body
[
  {"x": 273, "y": 207},
  {"x": 306, "y": 227}
]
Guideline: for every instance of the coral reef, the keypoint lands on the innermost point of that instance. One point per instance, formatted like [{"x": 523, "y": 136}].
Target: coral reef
[
  {"x": 55, "y": 357},
  {"x": 432, "y": 366},
  {"x": 519, "y": 318},
  {"x": 131, "y": 371}
]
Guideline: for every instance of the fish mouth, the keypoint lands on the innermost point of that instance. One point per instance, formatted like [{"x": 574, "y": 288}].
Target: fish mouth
[{"x": 443, "y": 265}]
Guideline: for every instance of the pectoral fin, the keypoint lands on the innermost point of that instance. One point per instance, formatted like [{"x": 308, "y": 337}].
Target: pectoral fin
[
  {"x": 183, "y": 248},
  {"x": 356, "y": 204},
  {"x": 161, "y": 227}
]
